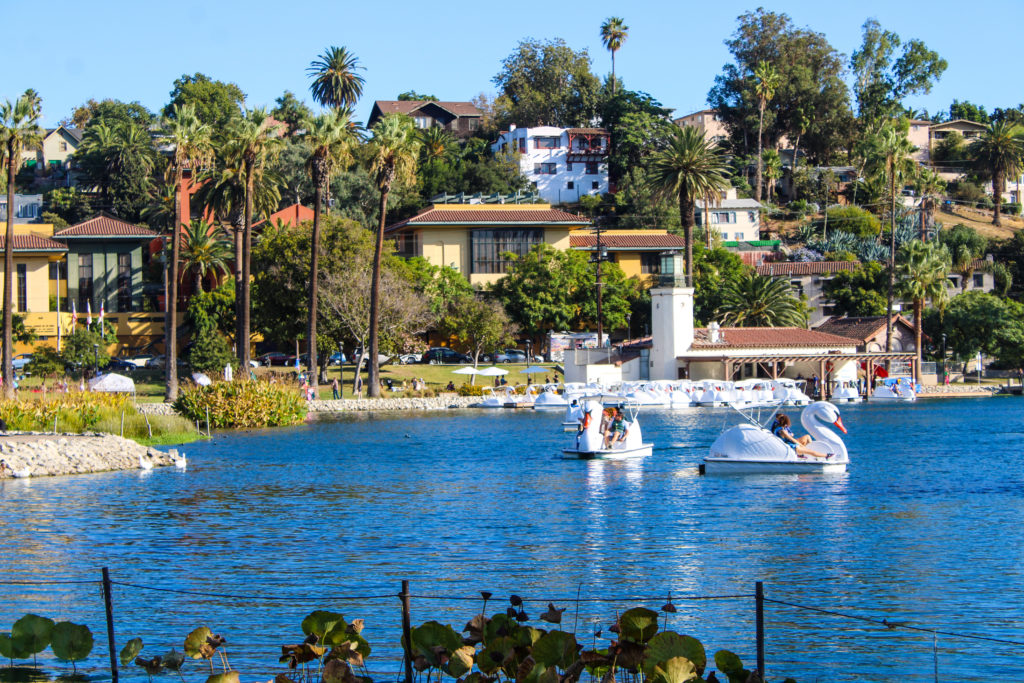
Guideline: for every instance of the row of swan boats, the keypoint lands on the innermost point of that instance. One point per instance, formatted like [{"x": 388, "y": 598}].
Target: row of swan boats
[
  {"x": 747, "y": 448},
  {"x": 682, "y": 394}
]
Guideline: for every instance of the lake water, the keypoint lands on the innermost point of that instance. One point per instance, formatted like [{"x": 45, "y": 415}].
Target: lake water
[{"x": 926, "y": 528}]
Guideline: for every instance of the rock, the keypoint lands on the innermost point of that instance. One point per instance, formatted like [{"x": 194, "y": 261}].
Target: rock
[{"x": 50, "y": 455}]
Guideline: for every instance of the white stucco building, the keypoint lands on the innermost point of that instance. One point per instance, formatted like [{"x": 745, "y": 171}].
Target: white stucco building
[
  {"x": 736, "y": 220},
  {"x": 564, "y": 164}
]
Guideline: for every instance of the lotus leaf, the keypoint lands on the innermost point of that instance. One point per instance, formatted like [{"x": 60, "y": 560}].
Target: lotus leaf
[
  {"x": 477, "y": 677},
  {"x": 527, "y": 635},
  {"x": 638, "y": 624},
  {"x": 152, "y": 666},
  {"x": 194, "y": 642},
  {"x": 434, "y": 640},
  {"x": 320, "y": 623},
  {"x": 226, "y": 677},
  {"x": 553, "y": 615},
  {"x": 556, "y": 648},
  {"x": 461, "y": 661},
  {"x": 728, "y": 663},
  {"x": 11, "y": 648},
  {"x": 497, "y": 653},
  {"x": 337, "y": 671},
  {"x": 628, "y": 655},
  {"x": 174, "y": 660},
  {"x": 300, "y": 654},
  {"x": 130, "y": 651},
  {"x": 32, "y": 633},
  {"x": 675, "y": 670},
  {"x": 498, "y": 626},
  {"x": 669, "y": 644},
  {"x": 71, "y": 642},
  {"x": 346, "y": 652},
  {"x": 548, "y": 675}
]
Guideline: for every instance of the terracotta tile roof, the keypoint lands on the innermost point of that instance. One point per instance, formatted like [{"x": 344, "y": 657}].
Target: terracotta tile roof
[
  {"x": 860, "y": 329},
  {"x": 806, "y": 268},
  {"x": 105, "y": 226},
  {"x": 766, "y": 337},
  {"x": 484, "y": 217},
  {"x": 33, "y": 243},
  {"x": 409, "y": 106},
  {"x": 638, "y": 241},
  {"x": 587, "y": 131}
]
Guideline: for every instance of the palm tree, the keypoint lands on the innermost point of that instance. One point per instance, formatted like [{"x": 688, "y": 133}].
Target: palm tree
[
  {"x": 963, "y": 264},
  {"x": 436, "y": 144},
  {"x": 257, "y": 146},
  {"x": 922, "y": 276},
  {"x": 772, "y": 169},
  {"x": 753, "y": 300},
  {"x": 335, "y": 81},
  {"x": 19, "y": 130},
  {"x": 205, "y": 249},
  {"x": 999, "y": 151},
  {"x": 929, "y": 186},
  {"x": 392, "y": 158},
  {"x": 192, "y": 149},
  {"x": 892, "y": 159},
  {"x": 330, "y": 140},
  {"x": 766, "y": 83},
  {"x": 613, "y": 34},
  {"x": 687, "y": 168}
]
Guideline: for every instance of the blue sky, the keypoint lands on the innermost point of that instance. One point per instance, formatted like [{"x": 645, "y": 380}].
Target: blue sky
[{"x": 133, "y": 50}]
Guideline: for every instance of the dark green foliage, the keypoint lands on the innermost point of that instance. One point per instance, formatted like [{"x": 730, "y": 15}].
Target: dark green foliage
[
  {"x": 975, "y": 322},
  {"x": 413, "y": 96},
  {"x": 70, "y": 204},
  {"x": 854, "y": 220},
  {"x": 291, "y": 110},
  {"x": 860, "y": 292},
  {"x": 951, "y": 150},
  {"x": 111, "y": 112},
  {"x": 713, "y": 269},
  {"x": 85, "y": 346},
  {"x": 243, "y": 404},
  {"x": 216, "y": 103},
  {"x": 212, "y": 316},
  {"x": 964, "y": 235},
  {"x": 46, "y": 362},
  {"x": 969, "y": 111}
]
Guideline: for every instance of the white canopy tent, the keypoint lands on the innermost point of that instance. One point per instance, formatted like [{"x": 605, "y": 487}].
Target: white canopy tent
[{"x": 112, "y": 383}]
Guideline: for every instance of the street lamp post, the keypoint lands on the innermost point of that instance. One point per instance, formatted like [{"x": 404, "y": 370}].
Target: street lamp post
[
  {"x": 943, "y": 357},
  {"x": 95, "y": 359},
  {"x": 600, "y": 255}
]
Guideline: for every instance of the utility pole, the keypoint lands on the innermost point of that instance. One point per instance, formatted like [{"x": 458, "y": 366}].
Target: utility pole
[{"x": 598, "y": 257}]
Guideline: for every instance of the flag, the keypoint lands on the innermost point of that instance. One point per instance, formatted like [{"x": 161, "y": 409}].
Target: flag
[
  {"x": 101, "y": 318},
  {"x": 74, "y": 316},
  {"x": 88, "y": 313}
]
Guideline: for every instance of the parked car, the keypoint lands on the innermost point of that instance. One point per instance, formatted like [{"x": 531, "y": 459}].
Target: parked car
[
  {"x": 121, "y": 365},
  {"x": 407, "y": 358},
  {"x": 275, "y": 358},
  {"x": 442, "y": 355},
  {"x": 140, "y": 360},
  {"x": 21, "y": 360},
  {"x": 158, "y": 362},
  {"x": 510, "y": 356},
  {"x": 337, "y": 358}
]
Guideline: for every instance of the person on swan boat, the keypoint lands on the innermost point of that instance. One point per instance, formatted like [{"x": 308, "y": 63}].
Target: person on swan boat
[{"x": 780, "y": 428}]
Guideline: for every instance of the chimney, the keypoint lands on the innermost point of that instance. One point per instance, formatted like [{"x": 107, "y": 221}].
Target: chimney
[
  {"x": 713, "y": 333},
  {"x": 511, "y": 127}
]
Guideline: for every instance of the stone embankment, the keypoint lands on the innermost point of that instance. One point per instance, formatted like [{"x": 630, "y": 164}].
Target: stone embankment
[
  {"x": 956, "y": 390},
  {"x": 366, "y": 404},
  {"x": 38, "y": 454}
]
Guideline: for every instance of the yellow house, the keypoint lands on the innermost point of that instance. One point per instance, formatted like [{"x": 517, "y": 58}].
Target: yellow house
[
  {"x": 472, "y": 237},
  {"x": 638, "y": 252}
]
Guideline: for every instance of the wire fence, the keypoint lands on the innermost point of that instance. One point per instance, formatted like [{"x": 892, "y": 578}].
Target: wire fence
[{"x": 97, "y": 601}]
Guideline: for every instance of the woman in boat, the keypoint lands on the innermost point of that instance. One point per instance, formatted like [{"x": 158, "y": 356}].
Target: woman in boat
[
  {"x": 617, "y": 430},
  {"x": 584, "y": 424},
  {"x": 604, "y": 429},
  {"x": 781, "y": 429}
]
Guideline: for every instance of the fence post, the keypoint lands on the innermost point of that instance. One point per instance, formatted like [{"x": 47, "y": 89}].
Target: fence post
[
  {"x": 759, "y": 604},
  {"x": 406, "y": 630},
  {"x": 110, "y": 624}
]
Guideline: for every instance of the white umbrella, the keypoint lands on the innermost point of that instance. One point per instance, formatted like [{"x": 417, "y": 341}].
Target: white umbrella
[
  {"x": 534, "y": 369},
  {"x": 466, "y": 371},
  {"x": 493, "y": 371},
  {"x": 112, "y": 383}
]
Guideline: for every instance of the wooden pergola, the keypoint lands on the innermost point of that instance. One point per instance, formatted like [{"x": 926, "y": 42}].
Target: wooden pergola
[{"x": 774, "y": 364}]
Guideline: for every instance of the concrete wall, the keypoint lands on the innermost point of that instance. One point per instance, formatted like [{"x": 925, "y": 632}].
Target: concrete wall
[{"x": 37, "y": 282}]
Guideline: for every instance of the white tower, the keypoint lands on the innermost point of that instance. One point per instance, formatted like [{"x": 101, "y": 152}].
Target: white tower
[{"x": 671, "y": 318}]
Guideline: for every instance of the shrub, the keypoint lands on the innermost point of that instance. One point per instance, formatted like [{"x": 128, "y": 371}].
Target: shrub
[
  {"x": 986, "y": 203},
  {"x": 854, "y": 220},
  {"x": 1012, "y": 208},
  {"x": 246, "y": 403},
  {"x": 470, "y": 390},
  {"x": 800, "y": 207}
]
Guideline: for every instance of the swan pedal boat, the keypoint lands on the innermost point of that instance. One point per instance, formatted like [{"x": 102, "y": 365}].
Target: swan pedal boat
[
  {"x": 588, "y": 445},
  {"x": 750, "y": 448}
]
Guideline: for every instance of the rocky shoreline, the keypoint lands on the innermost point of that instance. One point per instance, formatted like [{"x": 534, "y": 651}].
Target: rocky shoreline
[
  {"x": 40, "y": 454},
  {"x": 443, "y": 402}
]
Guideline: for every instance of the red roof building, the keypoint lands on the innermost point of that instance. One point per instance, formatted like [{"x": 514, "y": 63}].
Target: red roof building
[
  {"x": 290, "y": 215},
  {"x": 458, "y": 118}
]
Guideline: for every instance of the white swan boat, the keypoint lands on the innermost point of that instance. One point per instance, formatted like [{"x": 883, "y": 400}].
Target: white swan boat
[
  {"x": 791, "y": 391},
  {"x": 498, "y": 397},
  {"x": 550, "y": 399},
  {"x": 573, "y": 415},
  {"x": 901, "y": 389},
  {"x": 846, "y": 392},
  {"x": 589, "y": 444},
  {"x": 749, "y": 448}
]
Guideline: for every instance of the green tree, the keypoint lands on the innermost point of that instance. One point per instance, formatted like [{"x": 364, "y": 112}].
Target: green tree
[
  {"x": 478, "y": 325},
  {"x": 85, "y": 347},
  {"x": 439, "y": 285},
  {"x": 688, "y": 168},
  {"x": 204, "y": 249},
  {"x": 854, "y": 220},
  {"x": 772, "y": 169},
  {"x": 713, "y": 269},
  {"x": 110, "y": 112},
  {"x": 207, "y": 313},
  {"x": 330, "y": 139},
  {"x": 921, "y": 276},
  {"x": 766, "y": 83},
  {"x": 883, "y": 79},
  {"x": 118, "y": 159},
  {"x": 999, "y": 151},
  {"x": 638, "y": 125},
  {"x": 968, "y": 111},
  {"x": 19, "y": 130},
  {"x": 336, "y": 83},
  {"x": 393, "y": 150},
  {"x": 46, "y": 362},
  {"x": 951, "y": 150},
  {"x": 546, "y": 84},
  {"x": 859, "y": 292},
  {"x": 929, "y": 186},
  {"x": 972, "y": 323},
  {"x": 214, "y": 103},
  {"x": 753, "y": 300},
  {"x": 613, "y": 34},
  {"x": 291, "y": 110},
  {"x": 190, "y": 139},
  {"x": 70, "y": 203},
  {"x": 257, "y": 146},
  {"x": 413, "y": 96}
]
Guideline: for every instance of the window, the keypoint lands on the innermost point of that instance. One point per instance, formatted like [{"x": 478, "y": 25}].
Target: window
[
  {"x": 979, "y": 280},
  {"x": 798, "y": 286},
  {"x": 546, "y": 143},
  {"x": 63, "y": 146},
  {"x": 407, "y": 245},
  {"x": 570, "y": 185},
  {"x": 723, "y": 217},
  {"x": 595, "y": 185},
  {"x": 474, "y": 124},
  {"x": 22, "y": 287},
  {"x": 522, "y": 145},
  {"x": 591, "y": 168},
  {"x": 545, "y": 169},
  {"x": 422, "y": 122},
  {"x": 650, "y": 263},
  {"x": 124, "y": 283},
  {"x": 84, "y": 281},
  {"x": 752, "y": 217},
  {"x": 487, "y": 247},
  {"x": 568, "y": 167}
]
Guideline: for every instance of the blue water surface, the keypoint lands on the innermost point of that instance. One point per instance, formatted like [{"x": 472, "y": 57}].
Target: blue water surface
[{"x": 926, "y": 529}]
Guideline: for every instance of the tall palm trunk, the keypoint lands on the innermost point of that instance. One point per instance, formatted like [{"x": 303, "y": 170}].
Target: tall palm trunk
[
  {"x": 892, "y": 259},
  {"x": 314, "y": 288},
  {"x": 757, "y": 177},
  {"x": 239, "y": 228},
  {"x": 686, "y": 205},
  {"x": 918, "y": 312},
  {"x": 385, "y": 189},
  {"x": 198, "y": 288},
  {"x": 997, "y": 196},
  {"x": 246, "y": 254},
  {"x": 613, "y": 79},
  {"x": 171, "y": 357},
  {"x": 13, "y": 153}
]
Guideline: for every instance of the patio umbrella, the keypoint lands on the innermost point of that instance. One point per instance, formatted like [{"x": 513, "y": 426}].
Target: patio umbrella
[
  {"x": 466, "y": 371},
  {"x": 493, "y": 371},
  {"x": 534, "y": 369}
]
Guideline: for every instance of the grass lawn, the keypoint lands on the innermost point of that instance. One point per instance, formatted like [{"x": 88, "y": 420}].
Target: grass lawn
[{"x": 980, "y": 220}]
